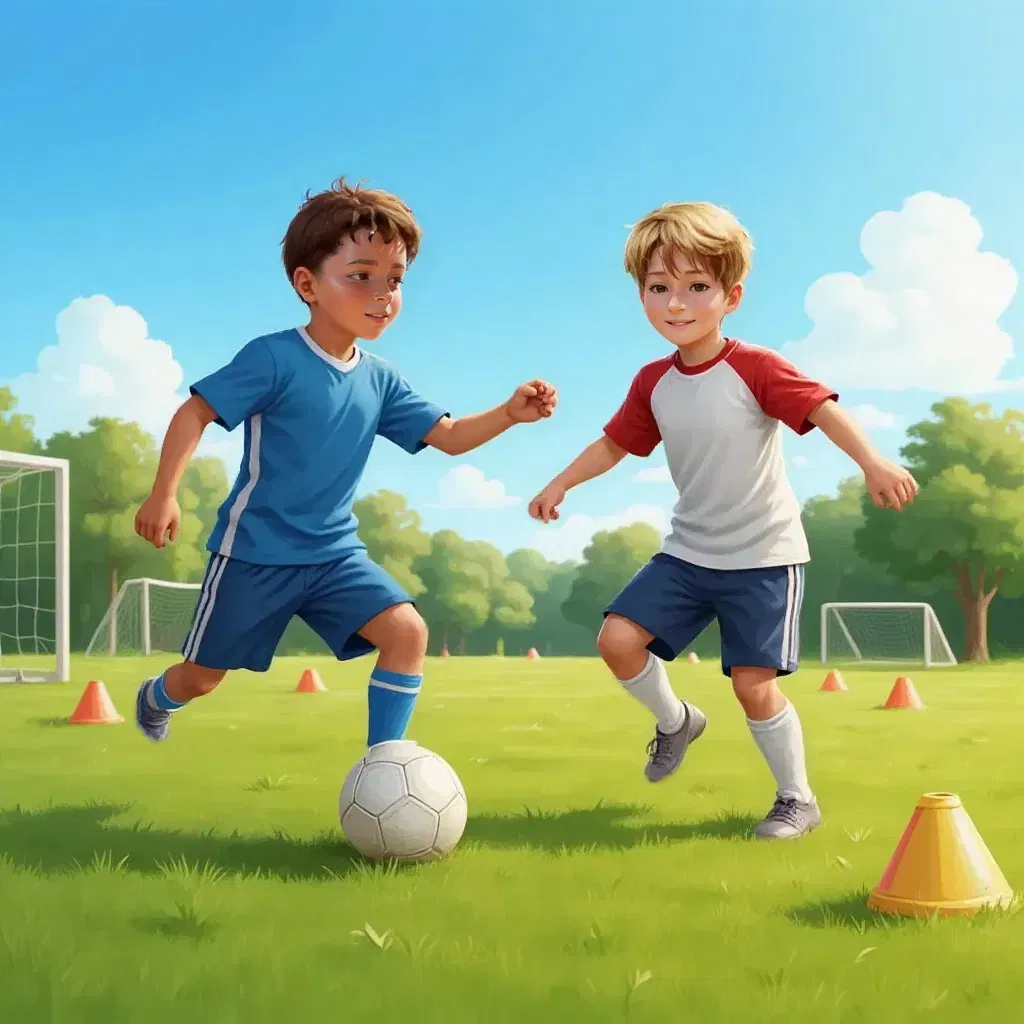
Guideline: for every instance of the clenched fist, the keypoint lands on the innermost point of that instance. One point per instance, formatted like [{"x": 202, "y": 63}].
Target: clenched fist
[{"x": 157, "y": 517}]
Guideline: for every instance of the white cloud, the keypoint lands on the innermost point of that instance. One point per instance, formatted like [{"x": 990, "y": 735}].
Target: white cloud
[
  {"x": 465, "y": 486},
  {"x": 566, "y": 538},
  {"x": 800, "y": 461},
  {"x": 872, "y": 418},
  {"x": 657, "y": 475},
  {"x": 104, "y": 363},
  {"x": 924, "y": 316}
]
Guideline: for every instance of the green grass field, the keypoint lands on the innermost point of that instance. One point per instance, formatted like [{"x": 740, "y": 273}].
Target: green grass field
[{"x": 206, "y": 879}]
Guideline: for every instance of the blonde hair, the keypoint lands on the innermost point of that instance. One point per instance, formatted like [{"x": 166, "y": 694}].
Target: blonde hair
[{"x": 710, "y": 237}]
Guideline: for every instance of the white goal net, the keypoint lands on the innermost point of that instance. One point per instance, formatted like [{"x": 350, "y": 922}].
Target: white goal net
[
  {"x": 883, "y": 632},
  {"x": 147, "y": 615},
  {"x": 34, "y": 591}
]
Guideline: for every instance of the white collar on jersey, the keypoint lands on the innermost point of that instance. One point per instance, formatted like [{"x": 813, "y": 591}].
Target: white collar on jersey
[{"x": 338, "y": 364}]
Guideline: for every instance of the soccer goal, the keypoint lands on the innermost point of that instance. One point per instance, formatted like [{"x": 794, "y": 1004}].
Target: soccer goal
[
  {"x": 147, "y": 615},
  {"x": 883, "y": 632},
  {"x": 34, "y": 592}
]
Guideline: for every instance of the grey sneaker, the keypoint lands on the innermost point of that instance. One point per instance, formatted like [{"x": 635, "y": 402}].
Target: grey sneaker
[
  {"x": 154, "y": 722},
  {"x": 789, "y": 819},
  {"x": 665, "y": 752}
]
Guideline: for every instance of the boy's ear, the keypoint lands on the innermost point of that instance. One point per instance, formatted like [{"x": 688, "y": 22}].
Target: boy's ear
[
  {"x": 302, "y": 282},
  {"x": 734, "y": 297}
]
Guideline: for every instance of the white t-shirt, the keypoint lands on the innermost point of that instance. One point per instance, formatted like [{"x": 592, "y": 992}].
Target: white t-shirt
[{"x": 721, "y": 424}]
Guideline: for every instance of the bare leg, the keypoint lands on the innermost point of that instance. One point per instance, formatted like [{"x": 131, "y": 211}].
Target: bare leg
[{"x": 400, "y": 636}]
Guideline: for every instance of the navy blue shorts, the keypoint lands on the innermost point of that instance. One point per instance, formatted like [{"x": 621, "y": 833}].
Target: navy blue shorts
[
  {"x": 758, "y": 610},
  {"x": 244, "y": 609}
]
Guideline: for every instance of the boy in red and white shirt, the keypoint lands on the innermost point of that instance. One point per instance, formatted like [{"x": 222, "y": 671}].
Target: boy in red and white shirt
[{"x": 736, "y": 549}]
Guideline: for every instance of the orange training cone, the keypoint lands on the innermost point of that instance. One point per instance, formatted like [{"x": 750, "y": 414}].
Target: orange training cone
[
  {"x": 903, "y": 695},
  {"x": 310, "y": 682},
  {"x": 834, "y": 682},
  {"x": 95, "y": 707},
  {"x": 692, "y": 658},
  {"x": 532, "y": 655},
  {"x": 941, "y": 865}
]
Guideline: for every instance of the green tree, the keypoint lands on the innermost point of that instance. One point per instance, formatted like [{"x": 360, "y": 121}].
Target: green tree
[
  {"x": 17, "y": 431},
  {"x": 207, "y": 479},
  {"x": 609, "y": 563},
  {"x": 967, "y": 524},
  {"x": 112, "y": 468},
  {"x": 550, "y": 584},
  {"x": 393, "y": 536},
  {"x": 455, "y": 600}
]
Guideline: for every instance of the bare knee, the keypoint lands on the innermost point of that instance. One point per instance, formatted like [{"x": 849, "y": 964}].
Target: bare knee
[
  {"x": 622, "y": 645},
  {"x": 187, "y": 680},
  {"x": 398, "y": 631},
  {"x": 758, "y": 692}
]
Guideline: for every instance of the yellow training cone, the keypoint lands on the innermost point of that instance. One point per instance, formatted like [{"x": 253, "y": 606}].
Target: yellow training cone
[{"x": 940, "y": 865}]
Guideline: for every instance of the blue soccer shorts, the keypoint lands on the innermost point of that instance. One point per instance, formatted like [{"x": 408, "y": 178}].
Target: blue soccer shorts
[
  {"x": 758, "y": 610},
  {"x": 243, "y": 609}
]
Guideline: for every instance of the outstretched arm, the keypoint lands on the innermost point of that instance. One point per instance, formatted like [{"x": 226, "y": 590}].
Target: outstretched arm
[
  {"x": 597, "y": 458},
  {"x": 887, "y": 483},
  {"x": 532, "y": 401}
]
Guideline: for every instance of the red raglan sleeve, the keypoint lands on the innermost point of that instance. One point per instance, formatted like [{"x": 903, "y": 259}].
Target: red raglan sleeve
[
  {"x": 633, "y": 427},
  {"x": 781, "y": 390}
]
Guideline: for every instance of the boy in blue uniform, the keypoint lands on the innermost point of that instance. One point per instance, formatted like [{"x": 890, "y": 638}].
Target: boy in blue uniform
[{"x": 312, "y": 401}]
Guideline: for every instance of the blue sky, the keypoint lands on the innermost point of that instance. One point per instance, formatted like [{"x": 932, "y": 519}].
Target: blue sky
[{"x": 155, "y": 154}]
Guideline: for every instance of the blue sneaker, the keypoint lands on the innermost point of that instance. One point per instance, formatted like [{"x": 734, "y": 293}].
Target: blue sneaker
[{"x": 154, "y": 722}]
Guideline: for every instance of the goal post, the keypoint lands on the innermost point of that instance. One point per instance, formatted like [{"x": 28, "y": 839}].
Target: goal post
[
  {"x": 146, "y": 615},
  {"x": 883, "y": 632},
  {"x": 35, "y": 594}
]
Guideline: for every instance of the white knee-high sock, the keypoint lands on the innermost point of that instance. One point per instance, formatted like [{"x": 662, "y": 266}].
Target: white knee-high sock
[
  {"x": 780, "y": 739},
  {"x": 652, "y": 688}
]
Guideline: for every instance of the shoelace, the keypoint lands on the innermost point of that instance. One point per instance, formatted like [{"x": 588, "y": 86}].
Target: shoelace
[
  {"x": 784, "y": 809},
  {"x": 659, "y": 748}
]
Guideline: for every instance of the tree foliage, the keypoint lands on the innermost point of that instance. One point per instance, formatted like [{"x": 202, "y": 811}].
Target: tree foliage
[
  {"x": 967, "y": 524},
  {"x": 609, "y": 562}
]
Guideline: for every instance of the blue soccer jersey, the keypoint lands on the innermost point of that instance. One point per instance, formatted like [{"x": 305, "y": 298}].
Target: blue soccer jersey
[{"x": 310, "y": 422}]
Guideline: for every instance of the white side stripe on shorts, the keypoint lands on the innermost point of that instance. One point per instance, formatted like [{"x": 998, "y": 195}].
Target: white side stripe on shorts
[
  {"x": 788, "y": 622},
  {"x": 204, "y": 609}
]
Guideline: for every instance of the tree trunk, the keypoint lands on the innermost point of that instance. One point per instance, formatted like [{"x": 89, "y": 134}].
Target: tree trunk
[{"x": 975, "y": 601}]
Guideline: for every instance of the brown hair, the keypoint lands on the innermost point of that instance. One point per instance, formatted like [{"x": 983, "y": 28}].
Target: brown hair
[
  {"x": 709, "y": 236},
  {"x": 324, "y": 220}
]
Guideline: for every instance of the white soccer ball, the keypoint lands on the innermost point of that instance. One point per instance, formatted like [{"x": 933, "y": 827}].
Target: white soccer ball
[{"x": 402, "y": 802}]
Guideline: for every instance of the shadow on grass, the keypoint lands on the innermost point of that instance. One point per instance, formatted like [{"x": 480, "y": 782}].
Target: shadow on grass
[
  {"x": 600, "y": 827},
  {"x": 56, "y": 839},
  {"x": 849, "y": 911},
  {"x": 72, "y": 837}
]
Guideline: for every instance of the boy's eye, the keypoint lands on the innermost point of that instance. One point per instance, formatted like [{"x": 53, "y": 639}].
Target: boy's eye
[
  {"x": 359, "y": 276},
  {"x": 699, "y": 286},
  {"x": 395, "y": 282},
  {"x": 657, "y": 288}
]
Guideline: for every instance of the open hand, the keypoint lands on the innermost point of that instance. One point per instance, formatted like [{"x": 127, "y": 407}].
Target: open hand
[
  {"x": 545, "y": 506},
  {"x": 532, "y": 401},
  {"x": 158, "y": 516},
  {"x": 890, "y": 486}
]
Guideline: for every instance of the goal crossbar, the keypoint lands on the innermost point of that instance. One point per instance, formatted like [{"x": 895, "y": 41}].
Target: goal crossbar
[
  {"x": 934, "y": 648},
  {"x": 16, "y": 663},
  {"x": 127, "y": 627}
]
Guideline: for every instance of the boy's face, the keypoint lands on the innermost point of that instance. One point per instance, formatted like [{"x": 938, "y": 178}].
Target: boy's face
[
  {"x": 686, "y": 306},
  {"x": 358, "y": 288}
]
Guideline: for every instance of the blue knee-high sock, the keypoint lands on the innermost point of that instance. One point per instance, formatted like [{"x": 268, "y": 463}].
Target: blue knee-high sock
[
  {"x": 391, "y": 697},
  {"x": 157, "y": 696}
]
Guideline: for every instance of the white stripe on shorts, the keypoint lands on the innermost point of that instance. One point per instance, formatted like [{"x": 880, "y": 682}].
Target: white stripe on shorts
[{"x": 204, "y": 609}]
